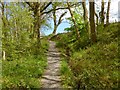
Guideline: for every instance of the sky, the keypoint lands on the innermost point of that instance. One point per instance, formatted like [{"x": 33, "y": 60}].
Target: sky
[
  {"x": 113, "y": 15},
  {"x": 60, "y": 28}
]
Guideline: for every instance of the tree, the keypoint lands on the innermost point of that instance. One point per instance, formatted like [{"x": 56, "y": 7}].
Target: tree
[
  {"x": 102, "y": 12},
  {"x": 85, "y": 15},
  {"x": 73, "y": 19},
  {"x": 92, "y": 21},
  {"x": 96, "y": 18},
  {"x": 56, "y": 24},
  {"x": 3, "y": 9},
  {"x": 38, "y": 8},
  {"x": 4, "y": 17},
  {"x": 108, "y": 10},
  {"x": 4, "y": 27},
  {"x": 15, "y": 35}
]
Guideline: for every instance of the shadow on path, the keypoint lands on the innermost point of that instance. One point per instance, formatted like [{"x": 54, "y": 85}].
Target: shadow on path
[{"x": 51, "y": 76}]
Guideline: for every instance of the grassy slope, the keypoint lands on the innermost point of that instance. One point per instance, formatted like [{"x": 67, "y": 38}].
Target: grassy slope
[
  {"x": 24, "y": 72},
  {"x": 95, "y": 66}
]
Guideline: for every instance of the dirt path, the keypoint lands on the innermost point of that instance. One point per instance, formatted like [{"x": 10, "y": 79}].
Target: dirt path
[{"x": 51, "y": 77}]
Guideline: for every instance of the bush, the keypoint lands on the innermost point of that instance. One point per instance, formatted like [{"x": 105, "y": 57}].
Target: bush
[
  {"x": 95, "y": 66},
  {"x": 22, "y": 72},
  {"x": 26, "y": 71}
]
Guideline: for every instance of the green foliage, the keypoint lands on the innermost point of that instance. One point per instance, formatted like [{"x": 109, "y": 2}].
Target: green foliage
[
  {"x": 63, "y": 41},
  {"x": 95, "y": 66},
  {"x": 84, "y": 36},
  {"x": 24, "y": 62},
  {"x": 109, "y": 33},
  {"x": 80, "y": 25},
  {"x": 87, "y": 65},
  {"x": 23, "y": 72},
  {"x": 15, "y": 36},
  {"x": 66, "y": 74}
]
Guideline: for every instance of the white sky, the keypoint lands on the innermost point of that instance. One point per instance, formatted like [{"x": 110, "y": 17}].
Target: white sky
[{"x": 113, "y": 9}]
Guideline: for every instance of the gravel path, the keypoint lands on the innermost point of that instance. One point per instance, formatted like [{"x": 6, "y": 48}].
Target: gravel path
[{"x": 51, "y": 77}]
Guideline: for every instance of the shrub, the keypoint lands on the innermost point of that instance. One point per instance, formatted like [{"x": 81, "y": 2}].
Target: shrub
[
  {"x": 26, "y": 71},
  {"x": 96, "y": 65}
]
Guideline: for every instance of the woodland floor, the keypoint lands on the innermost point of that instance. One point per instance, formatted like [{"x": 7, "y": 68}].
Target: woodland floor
[{"x": 51, "y": 76}]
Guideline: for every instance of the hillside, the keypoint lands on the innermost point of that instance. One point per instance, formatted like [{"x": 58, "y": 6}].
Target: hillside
[
  {"x": 85, "y": 55},
  {"x": 93, "y": 65}
]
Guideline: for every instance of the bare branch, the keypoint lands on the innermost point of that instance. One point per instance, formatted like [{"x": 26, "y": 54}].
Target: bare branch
[
  {"x": 29, "y": 4},
  {"x": 46, "y": 6},
  {"x": 59, "y": 8},
  {"x": 96, "y": 15},
  {"x": 60, "y": 19},
  {"x": 53, "y": 9}
]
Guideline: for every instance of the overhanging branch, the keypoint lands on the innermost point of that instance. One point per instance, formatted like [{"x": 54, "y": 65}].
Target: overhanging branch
[
  {"x": 59, "y": 8},
  {"x": 46, "y": 7},
  {"x": 54, "y": 9},
  {"x": 60, "y": 19}
]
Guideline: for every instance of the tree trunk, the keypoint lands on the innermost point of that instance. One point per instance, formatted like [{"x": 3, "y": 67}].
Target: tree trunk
[
  {"x": 55, "y": 29},
  {"x": 92, "y": 21},
  {"x": 108, "y": 10},
  {"x": 96, "y": 19},
  {"x": 36, "y": 29},
  {"x": 102, "y": 12},
  {"x": 54, "y": 18},
  {"x": 85, "y": 15},
  {"x": 56, "y": 24},
  {"x": 4, "y": 33},
  {"x": 36, "y": 34},
  {"x": 2, "y": 7},
  {"x": 4, "y": 20},
  {"x": 4, "y": 55},
  {"x": 73, "y": 19}
]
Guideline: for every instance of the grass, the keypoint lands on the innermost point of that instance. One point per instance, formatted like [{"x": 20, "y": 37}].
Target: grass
[
  {"x": 94, "y": 66},
  {"x": 25, "y": 72},
  {"x": 66, "y": 74},
  {"x": 97, "y": 66}
]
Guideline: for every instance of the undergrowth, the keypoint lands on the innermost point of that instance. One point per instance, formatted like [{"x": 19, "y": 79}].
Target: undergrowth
[
  {"x": 95, "y": 65},
  {"x": 25, "y": 72}
]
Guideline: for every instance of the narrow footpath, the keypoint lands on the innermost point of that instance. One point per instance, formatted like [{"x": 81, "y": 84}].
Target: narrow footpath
[{"x": 51, "y": 77}]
